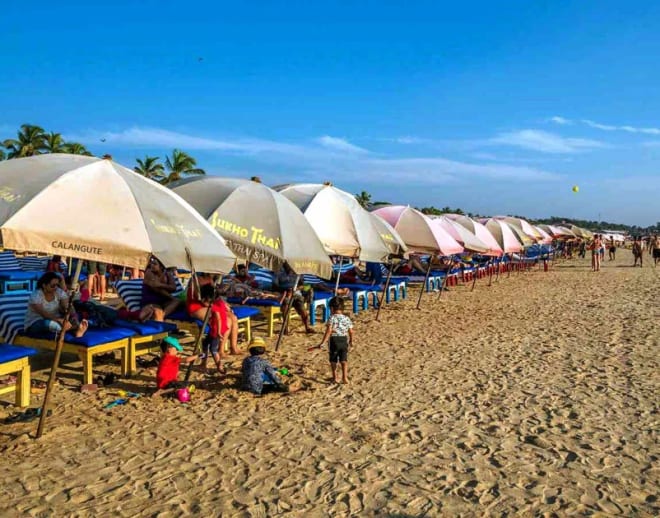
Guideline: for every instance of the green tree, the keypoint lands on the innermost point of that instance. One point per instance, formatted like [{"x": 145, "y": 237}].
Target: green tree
[
  {"x": 364, "y": 199},
  {"x": 2, "y": 155},
  {"x": 31, "y": 141},
  {"x": 54, "y": 143},
  {"x": 151, "y": 168},
  {"x": 179, "y": 165},
  {"x": 75, "y": 148}
]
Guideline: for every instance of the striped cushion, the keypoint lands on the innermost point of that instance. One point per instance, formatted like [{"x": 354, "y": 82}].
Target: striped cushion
[
  {"x": 8, "y": 261},
  {"x": 131, "y": 292},
  {"x": 343, "y": 268},
  {"x": 264, "y": 278},
  {"x": 12, "y": 315},
  {"x": 33, "y": 263}
]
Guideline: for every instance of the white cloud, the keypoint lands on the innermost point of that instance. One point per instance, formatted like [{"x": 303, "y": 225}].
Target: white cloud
[
  {"x": 440, "y": 170},
  {"x": 545, "y": 142},
  {"x": 339, "y": 144},
  {"x": 626, "y": 128},
  {"x": 326, "y": 158},
  {"x": 560, "y": 120}
]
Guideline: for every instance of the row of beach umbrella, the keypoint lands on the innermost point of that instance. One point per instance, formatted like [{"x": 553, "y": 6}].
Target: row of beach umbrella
[{"x": 95, "y": 209}]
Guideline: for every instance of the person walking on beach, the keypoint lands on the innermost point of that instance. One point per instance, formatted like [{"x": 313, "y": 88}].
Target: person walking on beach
[
  {"x": 612, "y": 249},
  {"x": 339, "y": 333},
  {"x": 595, "y": 253},
  {"x": 654, "y": 246},
  {"x": 637, "y": 252}
]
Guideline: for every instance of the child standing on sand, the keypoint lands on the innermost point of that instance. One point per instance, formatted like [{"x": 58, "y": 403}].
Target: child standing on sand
[{"x": 339, "y": 332}]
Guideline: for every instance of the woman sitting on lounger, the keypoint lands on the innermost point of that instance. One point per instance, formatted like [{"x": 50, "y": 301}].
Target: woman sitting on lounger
[
  {"x": 157, "y": 292},
  {"x": 47, "y": 307}
]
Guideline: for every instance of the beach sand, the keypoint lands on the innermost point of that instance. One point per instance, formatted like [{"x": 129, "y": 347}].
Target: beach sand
[{"x": 535, "y": 396}]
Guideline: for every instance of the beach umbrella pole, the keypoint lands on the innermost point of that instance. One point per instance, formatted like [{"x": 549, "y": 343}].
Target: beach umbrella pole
[
  {"x": 285, "y": 318},
  {"x": 474, "y": 278},
  {"x": 426, "y": 280},
  {"x": 444, "y": 283},
  {"x": 58, "y": 353},
  {"x": 490, "y": 273},
  {"x": 387, "y": 287},
  {"x": 341, "y": 262},
  {"x": 198, "y": 341}
]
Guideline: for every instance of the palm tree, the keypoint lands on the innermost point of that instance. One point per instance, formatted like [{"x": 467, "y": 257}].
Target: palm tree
[
  {"x": 75, "y": 148},
  {"x": 150, "y": 167},
  {"x": 180, "y": 164},
  {"x": 364, "y": 199},
  {"x": 30, "y": 141},
  {"x": 54, "y": 143}
]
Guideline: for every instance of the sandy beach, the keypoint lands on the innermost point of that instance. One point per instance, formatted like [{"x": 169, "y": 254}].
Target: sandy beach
[{"x": 536, "y": 396}]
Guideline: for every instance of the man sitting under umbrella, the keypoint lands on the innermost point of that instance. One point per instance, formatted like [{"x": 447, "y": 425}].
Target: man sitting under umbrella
[{"x": 158, "y": 288}]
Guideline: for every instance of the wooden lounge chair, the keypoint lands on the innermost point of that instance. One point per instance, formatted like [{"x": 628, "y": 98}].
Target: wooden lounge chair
[
  {"x": 131, "y": 294},
  {"x": 14, "y": 361},
  {"x": 95, "y": 341}
]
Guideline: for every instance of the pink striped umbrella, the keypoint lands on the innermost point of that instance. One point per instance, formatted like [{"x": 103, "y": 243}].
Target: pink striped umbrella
[
  {"x": 418, "y": 231},
  {"x": 480, "y": 231},
  {"x": 504, "y": 236}
]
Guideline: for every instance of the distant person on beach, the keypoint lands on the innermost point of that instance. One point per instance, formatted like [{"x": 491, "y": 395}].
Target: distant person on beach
[
  {"x": 167, "y": 374},
  {"x": 339, "y": 334},
  {"x": 655, "y": 247},
  {"x": 612, "y": 249},
  {"x": 595, "y": 253},
  {"x": 637, "y": 251},
  {"x": 583, "y": 248}
]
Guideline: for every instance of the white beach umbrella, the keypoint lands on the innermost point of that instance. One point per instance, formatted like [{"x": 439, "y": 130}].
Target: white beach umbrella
[
  {"x": 259, "y": 224},
  {"x": 342, "y": 225},
  {"x": 95, "y": 209}
]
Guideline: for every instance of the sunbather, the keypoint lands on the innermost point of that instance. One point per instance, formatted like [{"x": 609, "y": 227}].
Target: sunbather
[
  {"x": 47, "y": 307},
  {"x": 223, "y": 322},
  {"x": 157, "y": 289},
  {"x": 232, "y": 287}
]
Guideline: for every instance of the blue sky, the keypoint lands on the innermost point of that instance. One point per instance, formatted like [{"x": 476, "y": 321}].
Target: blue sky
[{"x": 494, "y": 107}]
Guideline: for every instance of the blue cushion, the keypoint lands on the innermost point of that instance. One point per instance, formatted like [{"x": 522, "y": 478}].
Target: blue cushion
[
  {"x": 150, "y": 327},
  {"x": 360, "y": 287},
  {"x": 323, "y": 295},
  {"x": 244, "y": 312},
  {"x": 93, "y": 336},
  {"x": 14, "y": 352},
  {"x": 254, "y": 302},
  {"x": 17, "y": 275}
]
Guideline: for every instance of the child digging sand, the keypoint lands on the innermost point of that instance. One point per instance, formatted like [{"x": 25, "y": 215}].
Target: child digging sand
[
  {"x": 168, "y": 368},
  {"x": 339, "y": 331}
]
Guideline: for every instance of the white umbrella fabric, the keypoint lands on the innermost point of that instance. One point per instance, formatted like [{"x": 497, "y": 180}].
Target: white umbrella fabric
[
  {"x": 342, "y": 225},
  {"x": 260, "y": 225},
  {"x": 461, "y": 234},
  {"x": 96, "y": 209}
]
